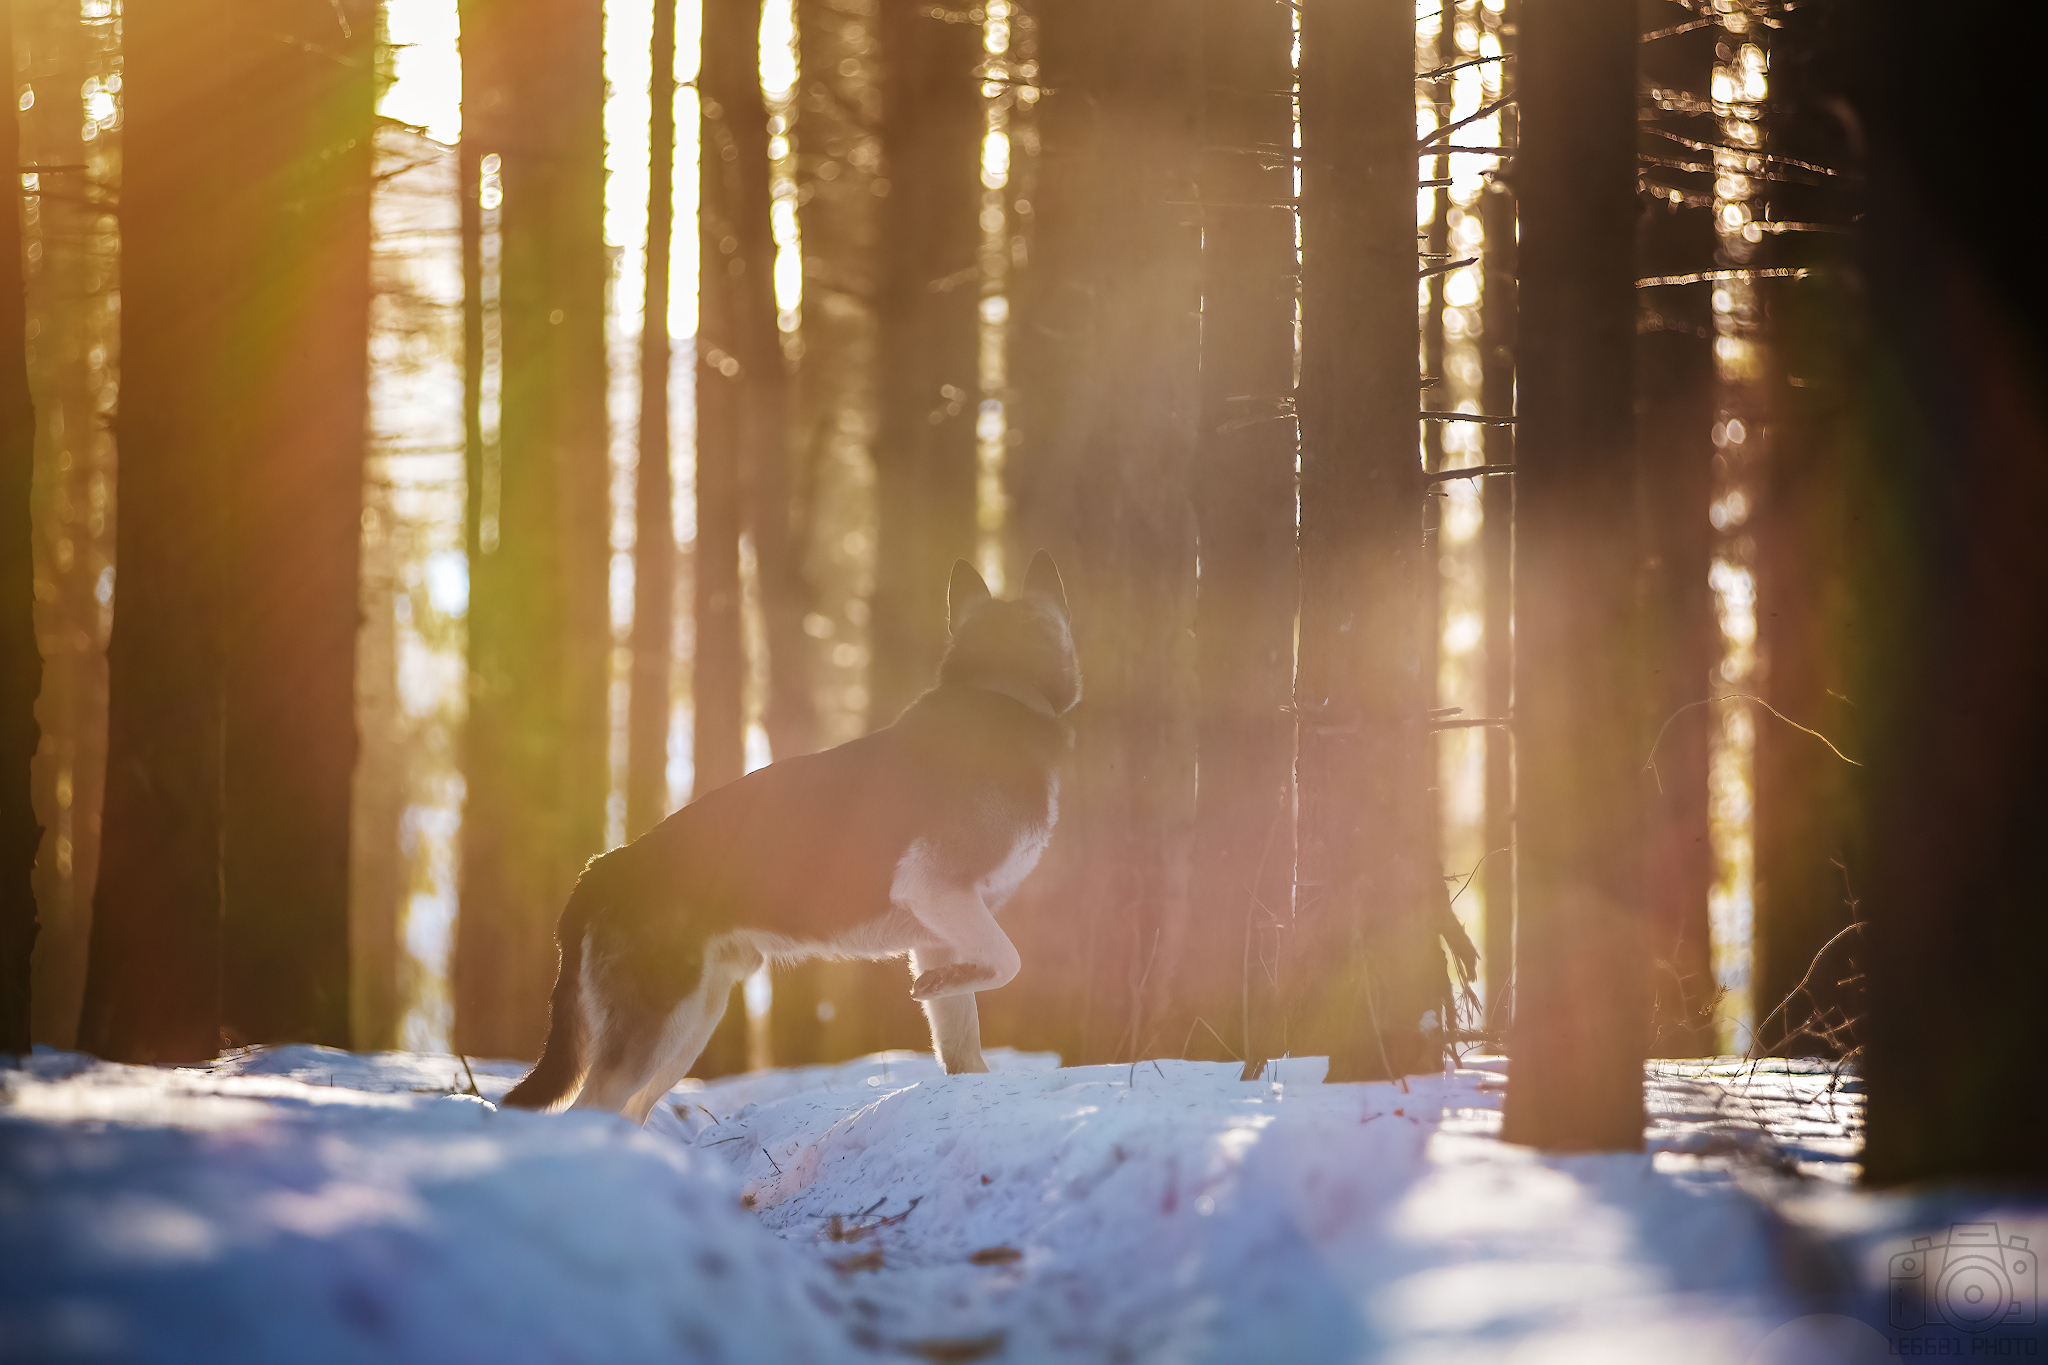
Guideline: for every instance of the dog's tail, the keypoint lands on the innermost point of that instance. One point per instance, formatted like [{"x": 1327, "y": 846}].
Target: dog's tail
[{"x": 558, "y": 1075}]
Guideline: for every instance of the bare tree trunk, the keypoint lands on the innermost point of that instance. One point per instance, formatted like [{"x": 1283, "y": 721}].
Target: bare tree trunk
[
  {"x": 539, "y": 629},
  {"x": 654, "y": 540},
  {"x": 1947, "y": 620},
  {"x": 1370, "y": 885},
  {"x": 72, "y": 357},
  {"x": 1675, "y": 462},
  {"x": 728, "y": 83},
  {"x": 22, "y": 675},
  {"x": 152, "y": 990},
  {"x": 733, "y": 368},
  {"x": 1674, "y": 388},
  {"x": 297, "y": 501},
  {"x": 1801, "y": 521},
  {"x": 224, "y": 891},
  {"x": 929, "y": 338},
  {"x": 776, "y": 517},
  {"x": 1500, "y": 308},
  {"x": 1581, "y": 1017},
  {"x": 1110, "y": 346},
  {"x": 839, "y": 158},
  {"x": 1241, "y": 889}
]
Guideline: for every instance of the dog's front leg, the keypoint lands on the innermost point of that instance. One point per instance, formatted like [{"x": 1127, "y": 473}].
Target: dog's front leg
[
  {"x": 955, "y": 1019},
  {"x": 977, "y": 956}
]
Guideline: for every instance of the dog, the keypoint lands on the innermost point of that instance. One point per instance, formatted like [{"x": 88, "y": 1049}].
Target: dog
[{"x": 908, "y": 840}]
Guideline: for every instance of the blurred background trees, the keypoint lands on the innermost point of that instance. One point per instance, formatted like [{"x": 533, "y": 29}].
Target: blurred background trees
[{"x": 483, "y": 480}]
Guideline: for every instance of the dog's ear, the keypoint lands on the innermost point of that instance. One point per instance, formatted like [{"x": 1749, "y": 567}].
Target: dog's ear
[
  {"x": 1042, "y": 579},
  {"x": 964, "y": 594}
]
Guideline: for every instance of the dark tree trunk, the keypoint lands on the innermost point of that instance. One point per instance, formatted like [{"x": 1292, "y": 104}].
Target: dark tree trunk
[
  {"x": 152, "y": 991},
  {"x": 1500, "y": 306},
  {"x": 776, "y": 517},
  {"x": 1110, "y": 342},
  {"x": 1581, "y": 1016},
  {"x": 21, "y": 677},
  {"x": 654, "y": 540},
  {"x": 539, "y": 628},
  {"x": 1241, "y": 889},
  {"x": 71, "y": 358},
  {"x": 1674, "y": 396},
  {"x": 728, "y": 84},
  {"x": 1675, "y": 461},
  {"x": 930, "y": 280},
  {"x": 223, "y": 898},
  {"x": 839, "y": 157},
  {"x": 296, "y": 498},
  {"x": 738, "y": 369},
  {"x": 1948, "y": 620},
  {"x": 1364, "y": 961},
  {"x": 1805, "y": 886}
]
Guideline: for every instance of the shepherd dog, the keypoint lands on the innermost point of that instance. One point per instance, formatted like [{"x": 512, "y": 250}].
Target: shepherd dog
[{"x": 908, "y": 840}]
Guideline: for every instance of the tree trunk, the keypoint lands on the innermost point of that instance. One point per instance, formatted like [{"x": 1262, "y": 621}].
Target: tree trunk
[
  {"x": 296, "y": 498},
  {"x": 378, "y": 867},
  {"x": 728, "y": 83},
  {"x": 1241, "y": 889},
  {"x": 839, "y": 213},
  {"x": 929, "y": 341},
  {"x": 1674, "y": 399},
  {"x": 1675, "y": 381},
  {"x": 1949, "y": 621},
  {"x": 73, "y": 353},
  {"x": 775, "y": 514},
  {"x": 654, "y": 540},
  {"x": 1946, "y": 623},
  {"x": 1364, "y": 952},
  {"x": 1800, "y": 513},
  {"x": 539, "y": 628},
  {"x": 1109, "y": 364},
  {"x": 152, "y": 991},
  {"x": 1582, "y": 1003},
  {"x": 22, "y": 675},
  {"x": 734, "y": 369},
  {"x": 1499, "y": 309}
]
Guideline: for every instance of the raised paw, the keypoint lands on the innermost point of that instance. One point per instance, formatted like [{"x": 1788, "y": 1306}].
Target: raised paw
[{"x": 950, "y": 979}]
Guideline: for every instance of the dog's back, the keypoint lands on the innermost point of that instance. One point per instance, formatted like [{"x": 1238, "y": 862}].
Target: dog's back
[{"x": 906, "y": 840}]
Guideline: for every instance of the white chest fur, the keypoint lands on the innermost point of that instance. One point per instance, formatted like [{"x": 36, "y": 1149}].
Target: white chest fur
[{"x": 998, "y": 886}]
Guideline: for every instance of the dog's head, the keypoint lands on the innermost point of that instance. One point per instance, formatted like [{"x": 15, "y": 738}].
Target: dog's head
[{"x": 1021, "y": 646}]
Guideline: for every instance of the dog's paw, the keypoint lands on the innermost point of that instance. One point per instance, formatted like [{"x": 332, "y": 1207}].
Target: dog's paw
[{"x": 951, "y": 979}]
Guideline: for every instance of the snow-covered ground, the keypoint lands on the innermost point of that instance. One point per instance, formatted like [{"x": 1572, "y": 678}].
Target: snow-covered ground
[{"x": 298, "y": 1204}]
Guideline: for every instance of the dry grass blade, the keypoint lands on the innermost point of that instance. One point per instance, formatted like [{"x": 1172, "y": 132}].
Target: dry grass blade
[
  {"x": 866, "y": 1260},
  {"x": 1650, "y": 762},
  {"x": 996, "y": 1256}
]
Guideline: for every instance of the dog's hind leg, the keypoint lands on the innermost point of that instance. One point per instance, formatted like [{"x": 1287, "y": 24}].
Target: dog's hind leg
[
  {"x": 955, "y": 1019},
  {"x": 628, "y": 1022},
  {"x": 625, "y": 1059},
  {"x": 691, "y": 1023}
]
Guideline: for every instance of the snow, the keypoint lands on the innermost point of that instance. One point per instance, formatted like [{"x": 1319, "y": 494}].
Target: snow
[{"x": 308, "y": 1205}]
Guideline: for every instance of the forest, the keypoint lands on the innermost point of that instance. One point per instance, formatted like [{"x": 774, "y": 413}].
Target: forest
[{"x": 1546, "y": 491}]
